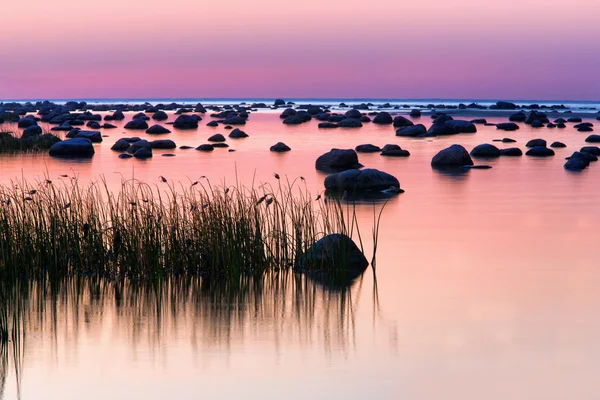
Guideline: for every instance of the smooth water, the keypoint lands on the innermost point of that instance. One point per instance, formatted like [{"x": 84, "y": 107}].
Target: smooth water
[{"x": 486, "y": 285}]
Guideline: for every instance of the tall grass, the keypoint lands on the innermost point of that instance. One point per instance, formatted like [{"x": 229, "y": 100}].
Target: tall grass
[
  {"x": 11, "y": 141},
  {"x": 58, "y": 229}
]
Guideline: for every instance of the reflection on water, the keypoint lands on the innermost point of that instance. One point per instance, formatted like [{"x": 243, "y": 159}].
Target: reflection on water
[{"x": 150, "y": 314}]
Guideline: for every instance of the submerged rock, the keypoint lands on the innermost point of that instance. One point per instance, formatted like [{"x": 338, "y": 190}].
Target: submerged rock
[
  {"x": 137, "y": 124},
  {"x": 337, "y": 160},
  {"x": 185, "y": 121},
  {"x": 238, "y": 134},
  {"x": 216, "y": 138},
  {"x": 511, "y": 152},
  {"x": 360, "y": 181},
  {"x": 593, "y": 139},
  {"x": 157, "y": 130},
  {"x": 595, "y": 150},
  {"x": 558, "y": 145},
  {"x": 412, "y": 130},
  {"x": 540, "y": 151},
  {"x": 507, "y": 126},
  {"x": 485, "y": 151},
  {"x": 393, "y": 150},
  {"x": 280, "y": 147},
  {"x": 76, "y": 148},
  {"x": 536, "y": 143},
  {"x": 367, "y": 148},
  {"x": 205, "y": 147},
  {"x": 453, "y": 156},
  {"x": 383, "y": 118}
]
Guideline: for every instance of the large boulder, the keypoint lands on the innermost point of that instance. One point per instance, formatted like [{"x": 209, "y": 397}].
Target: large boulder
[
  {"x": 485, "y": 151},
  {"x": 160, "y": 116},
  {"x": 137, "y": 124},
  {"x": 595, "y": 150},
  {"x": 393, "y": 150},
  {"x": 593, "y": 139},
  {"x": 185, "y": 121},
  {"x": 350, "y": 123},
  {"x": 140, "y": 144},
  {"x": 504, "y": 105},
  {"x": 73, "y": 148},
  {"x": 518, "y": 117},
  {"x": 163, "y": 144},
  {"x": 94, "y": 136},
  {"x": 157, "y": 130},
  {"x": 32, "y": 131},
  {"x": 237, "y": 134},
  {"x": 412, "y": 130},
  {"x": 334, "y": 259},
  {"x": 280, "y": 147},
  {"x": 337, "y": 160},
  {"x": 217, "y": 137},
  {"x": 540, "y": 151},
  {"x": 507, "y": 126},
  {"x": 536, "y": 143},
  {"x": 383, "y": 118},
  {"x": 511, "y": 152},
  {"x": 354, "y": 113},
  {"x": 452, "y": 157},
  {"x": 400, "y": 121},
  {"x": 460, "y": 126},
  {"x": 234, "y": 120},
  {"x": 367, "y": 180}
]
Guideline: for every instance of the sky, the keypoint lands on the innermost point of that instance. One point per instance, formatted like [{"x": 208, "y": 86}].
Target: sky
[{"x": 465, "y": 49}]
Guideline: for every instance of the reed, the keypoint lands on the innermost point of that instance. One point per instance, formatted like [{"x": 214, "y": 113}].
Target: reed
[
  {"x": 59, "y": 229},
  {"x": 11, "y": 141}
]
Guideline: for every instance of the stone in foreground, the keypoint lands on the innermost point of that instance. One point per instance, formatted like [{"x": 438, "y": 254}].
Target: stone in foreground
[
  {"x": 454, "y": 156},
  {"x": 76, "y": 148}
]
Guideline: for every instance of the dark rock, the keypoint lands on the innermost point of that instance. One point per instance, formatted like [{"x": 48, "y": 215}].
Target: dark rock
[
  {"x": 518, "y": 117},
  {"x": 186, "y": 122},
  {"x": 360, "y": 181},
  {"x": 485, "y": 151},
  {"x": 235, "y": 120},
  {"x": 205, "y": 147},
  {"x": 468, "y": 167},
  {"x": 93, "y": 136},
  {"x": 238, "y": 134},
  {"x": 143, "y": 153},
  {"x": 481, "y": 121},
  {"x": 93, "y": 125},
  {"x": 337, "y": 160},
  {"x": 507, "y": 126},
  {"x": 574, "y": 119},
  {"x": 280, "y": 147},
  {"x": 334, "y": 260},
  {"x": 453, "y": 156},
  {"x": 393, "y": 150},
  {"x": 288, "y": 112},
  {"x": 540, "y": 151},
  {"x": 141, "y": 116},
  {"x": 412, "y": 131},
  {"x": 160, "y": 116},
  {"x": 157, "y": 130},
  {"x": 593, "y": 139},
  {"x": 327, "y": 125},
  {"x": 558, "y": 145},
  {"x": 511, "y": 152},
  {"x": 125, "y": 155},
  {"x": 140, "y": 144},
  {"x": 584, "y": 155},
  {"x": 213, "y": 123},
  {"x": 32, "y": 131},
  {"x": 504, "y": 105},
  {"x": 415, "y": 113},
  {"x": 121, "y": 145},
  {"x": 137, "y": 124},
  {"x": 26, "y": 122},
  {"x": 460, "y": 126},
  {"x": 163, "y": 144},
  {"x": 219, "y": 145},
  {"x": 217, "y": 138},
  {"x": 585, "y": 129},
  {"x": 279, "y": 102},
  {"x": 595, "y": 150},
  {"x": 108, "y": 126},
  {"x": 576, "y": 163},
  {"x": 383, "y": 118},
  {"x": 76, "y": 148},
  {"x": 354, "y": 113},
  {"x": 536, "y": 143},
  {"x": 400, "y": 121},
  {"x": 293, "y": 120},
  {"x": 367, "y": 148},
  {"x": 349, "y": 123}
]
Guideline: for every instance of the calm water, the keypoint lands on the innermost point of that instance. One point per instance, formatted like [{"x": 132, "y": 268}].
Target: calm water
[{"x": 487, "y": 286}]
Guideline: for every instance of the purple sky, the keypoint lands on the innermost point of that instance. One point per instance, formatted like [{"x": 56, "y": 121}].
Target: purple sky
[{"x": 527, "y": 49}]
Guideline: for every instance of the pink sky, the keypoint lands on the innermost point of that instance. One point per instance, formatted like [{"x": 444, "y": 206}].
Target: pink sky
[{"x": 517, "y": 49}]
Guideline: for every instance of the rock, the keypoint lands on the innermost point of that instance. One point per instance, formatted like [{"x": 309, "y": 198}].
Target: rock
[
  {"x": 169, "y": 154},
  {"x": 93, "y": 125},
  {"x": 186, "y": 122},
  {"x": 163, "y": 144},
  {"x": 460, "y": 126},
  {"x": 511, "y": 152},
  {"x": 485, "y": 151},
  {"x": 574, "y": 119},
  {"x": 293, "y": 120},
  {"x": 439, "y": 129},
  {"x": 383, "y": 118},
  {"x": 576, "y": 163},
  {"x": 217, "y": 138},
  {"x": 125, "y": 155},
  {"x": 537, "y": 124},
  {"x": 143, "y": 153},
  {"x": 334, "y": 259},
  {"x": 93, "y": 136},
  {"x": 280, "y": 147},
  {"x": 508, "y": 140},
  {"x": 518, "y": 117},
  {"x": 76, "y": 148},
  {"x": 412, "y": 130},
  {"x": 186, "y": 147},
  {"x": 540, "y": 151},
  {"x": 108, "y": 126},
  {"x": 337, "y": 160},
  {"x": 26, "y": 122},
  {"x": 121, "y": 145},
  {"x": 480, "y": 121},
  {"x": 561, "y": 126},
  {"x": 354, "y": 113},
  {"x": 140, "y": 144},
  {"x": 453, "y": 156},
  {"x": 504, "y": 105},
  {"x": 205, "y": 147},
  {"x": 219, "y": 145},
  {"x": 157, "y": 130},
  {"x": 279, "y": 102},
  {"x": 238, "y": 134},
  {"x": 367, "y": 148},
  {"x": 400, "y": 121},
  {"x": 235, "y": 120},
  {"x": 468, "y": 167},
  {"x": 595, "y": 150},
  {"x": 415, "y": 113},
  {"x": 584, "y": 155},
  {"x": 141, "y": 116},
  {"x": 507, "y": 126},
  {"x": 585, "y": 129},
  {"x": 160, "y": 116},
  {"x": 558, "y": 145},
  {"x": 593, "y": 139},
  {"x": 137, "y": 124},
  {"x": 536, "y": 143},
  {"x": 32, "y": 131},
  {"x": 327, "y": 125},
  {"x": 350, "y": 123},
  {"x": 288, "y": 112},
  {"x": 360, "y": 181},
  {"x": 393, "y": 150},
  {"x": 213, "y": 123}
]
